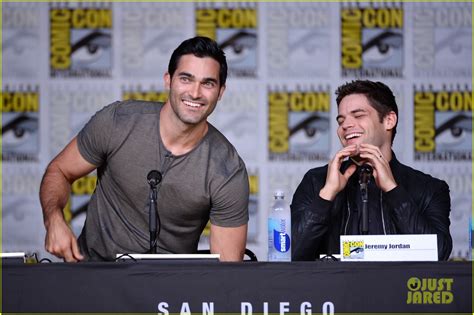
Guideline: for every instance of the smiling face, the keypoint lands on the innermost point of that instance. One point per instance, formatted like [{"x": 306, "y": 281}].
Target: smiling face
[
  {"x": 360, "y": 123},
  {"x": 194, "y": 89}
]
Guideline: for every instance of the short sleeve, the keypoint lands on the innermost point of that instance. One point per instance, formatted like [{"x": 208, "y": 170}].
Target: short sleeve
[
  {"x": 230, "y": 202},
  {"x": 93, "y": 139}
]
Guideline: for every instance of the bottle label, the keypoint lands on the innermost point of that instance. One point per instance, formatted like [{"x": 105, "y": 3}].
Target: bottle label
[{"x": 281, "y": 239}]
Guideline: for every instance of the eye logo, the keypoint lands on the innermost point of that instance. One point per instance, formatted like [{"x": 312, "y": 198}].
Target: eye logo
[
  {"x": 442, "y": 44},
  {"x": 443, "y": 124},
  {"x": 299, "y": 125},
  {"x": 235, "y": 30},
  {"x": 89, "y": 48},
  {"x": 430, "y": 290},
  {"x": 20, "y": 50},
  {"x": 353, "y": 249},
  {"x": 414, "y": 284},
  {"x": 80, "y": 42},
  {"x": 20, "y": 124},
  {"x": 372, "y": 41},
  {"x": 382, "y": 47},
  {"x": 240, "y": 48},
  {"x": 17, "y": 132},
  {"x": 308, "y": 131}
]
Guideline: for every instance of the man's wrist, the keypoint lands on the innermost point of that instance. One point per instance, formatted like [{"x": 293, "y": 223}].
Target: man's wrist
[
  {"x": 390, "y": 187},
  {"x": 53, "y": 218},
  {"x": 327, "y": 194}
]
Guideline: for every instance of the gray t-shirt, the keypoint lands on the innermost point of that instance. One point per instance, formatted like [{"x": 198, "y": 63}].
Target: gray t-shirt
[{"x": 208, "y": 183}]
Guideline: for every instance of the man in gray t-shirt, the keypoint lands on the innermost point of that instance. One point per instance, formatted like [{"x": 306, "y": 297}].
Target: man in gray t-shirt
[{"x": 203, "y": 176}]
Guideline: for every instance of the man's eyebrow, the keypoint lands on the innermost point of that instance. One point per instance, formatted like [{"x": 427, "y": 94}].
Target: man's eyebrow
[
  {"x": 358, "y": 110},
  {"x": 186, "y": 74},
  {"x": 355, "y": 111}
]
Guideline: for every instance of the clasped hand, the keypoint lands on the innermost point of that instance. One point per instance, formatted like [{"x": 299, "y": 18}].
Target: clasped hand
[{"x": 362, "y": 153}]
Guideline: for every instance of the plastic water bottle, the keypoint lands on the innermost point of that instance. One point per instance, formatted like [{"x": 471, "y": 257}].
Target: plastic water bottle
[{"x": 279, "y": 229}]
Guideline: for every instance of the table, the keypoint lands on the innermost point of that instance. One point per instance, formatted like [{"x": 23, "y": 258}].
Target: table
[{"x": 191, "y": 287}]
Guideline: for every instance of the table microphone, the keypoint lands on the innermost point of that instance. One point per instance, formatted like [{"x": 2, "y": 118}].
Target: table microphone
[
  {"x": 364, "y": 178},
  {"x": 154, "y": 178}
]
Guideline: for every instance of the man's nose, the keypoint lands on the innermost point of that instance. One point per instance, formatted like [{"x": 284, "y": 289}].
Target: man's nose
[
  {"x": 347, "y": 123},
  {"x": 195, "y": 90}
]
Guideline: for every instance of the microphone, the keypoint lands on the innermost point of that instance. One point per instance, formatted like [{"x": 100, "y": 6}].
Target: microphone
[
  {"x": 154, "y": 178},
  {"x": 365, "y": 173},
  {"x": 364, "y": 178}
]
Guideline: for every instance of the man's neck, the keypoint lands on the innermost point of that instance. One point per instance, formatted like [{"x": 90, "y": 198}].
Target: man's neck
[
  {"x": 387, "y": 152},
  {"x": 179, "y": 138}
]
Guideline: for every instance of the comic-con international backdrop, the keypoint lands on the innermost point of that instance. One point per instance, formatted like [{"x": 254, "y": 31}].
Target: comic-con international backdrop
[{"x": 62, "y": 62}]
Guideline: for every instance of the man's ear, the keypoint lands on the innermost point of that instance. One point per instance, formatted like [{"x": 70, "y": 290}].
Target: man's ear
[
  {"x": 167, "y": 79},
  {"x": 390, "y": 120}
]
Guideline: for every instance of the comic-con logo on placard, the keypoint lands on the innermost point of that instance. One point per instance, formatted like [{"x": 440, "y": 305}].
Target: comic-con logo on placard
[
  {"x": 80, "y": 41},
  {"x": 234, "y": 28},
  {"x": 76, "y": 209},
  {"x": 443, "y": 124},
  {"x": 442, "y": 43},
  {"x": 298, "y": 124},
  {"x": 372, "y": 40},
  {"x": 353, "y": 249},
  {"x": 138, "y": 93},
  {"x": 298, "y": 39},
  {"x": 20, "y": 40},
  {"x": 149, "y": 34},
  {"x": 20, "y": 124}
]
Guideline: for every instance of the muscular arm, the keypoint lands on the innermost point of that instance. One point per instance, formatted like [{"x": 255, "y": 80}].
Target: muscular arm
[
  {"x": 55, "y": 188},
  {"x": 229, "y": 242}
]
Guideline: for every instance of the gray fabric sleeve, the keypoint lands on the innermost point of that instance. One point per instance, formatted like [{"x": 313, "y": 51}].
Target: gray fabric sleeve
[
  {"x": 93, "y": 139},
  {"x": 230, "y": 202}
]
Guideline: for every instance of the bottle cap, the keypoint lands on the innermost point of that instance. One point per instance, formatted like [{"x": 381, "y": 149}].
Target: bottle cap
[{"x": 279, "y": 193}]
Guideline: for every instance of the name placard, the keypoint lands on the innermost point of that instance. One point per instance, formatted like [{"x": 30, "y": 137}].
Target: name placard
[
  {"x": 213, "y": 257},
  {"x": 14, "y": 257},
  {"x": 399, "y": 247}
]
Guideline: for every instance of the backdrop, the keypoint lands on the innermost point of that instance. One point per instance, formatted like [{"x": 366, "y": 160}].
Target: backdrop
[{"x": 62, "y": 62}]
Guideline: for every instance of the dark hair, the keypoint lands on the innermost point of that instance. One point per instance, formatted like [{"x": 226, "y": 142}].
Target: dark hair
[
  {"x": 379, "y": 95},
  {"x": 200, "y": 47}
]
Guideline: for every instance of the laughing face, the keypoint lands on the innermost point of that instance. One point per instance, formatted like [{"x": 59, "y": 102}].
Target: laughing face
[
  {"x": 194, "y": 88},
  {"x": 359, "y": 123}
]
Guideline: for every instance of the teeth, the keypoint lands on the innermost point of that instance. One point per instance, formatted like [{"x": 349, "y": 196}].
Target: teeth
[
  {"x": 192, "y": 104},
  {"x": 353, "y": 135}
]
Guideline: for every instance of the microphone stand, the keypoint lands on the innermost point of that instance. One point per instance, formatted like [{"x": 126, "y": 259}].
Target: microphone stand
[
  {"x": 364, "y": 178},
  {"x": 154, "y": 179},
  {"x": 152, "y": 218},
  {"x": 364, "y": 191}
]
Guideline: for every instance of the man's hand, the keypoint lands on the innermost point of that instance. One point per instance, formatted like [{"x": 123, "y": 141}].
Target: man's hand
[
  {"x": 335, "y": 180},
  {"x": 61, "y": 242},
  {"x": 382, "y": 172}
]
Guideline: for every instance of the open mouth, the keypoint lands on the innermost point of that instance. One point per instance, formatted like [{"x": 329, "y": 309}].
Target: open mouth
[
  {"x": 353, "y": 135},
  {"x": 192, "y": 104}
]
